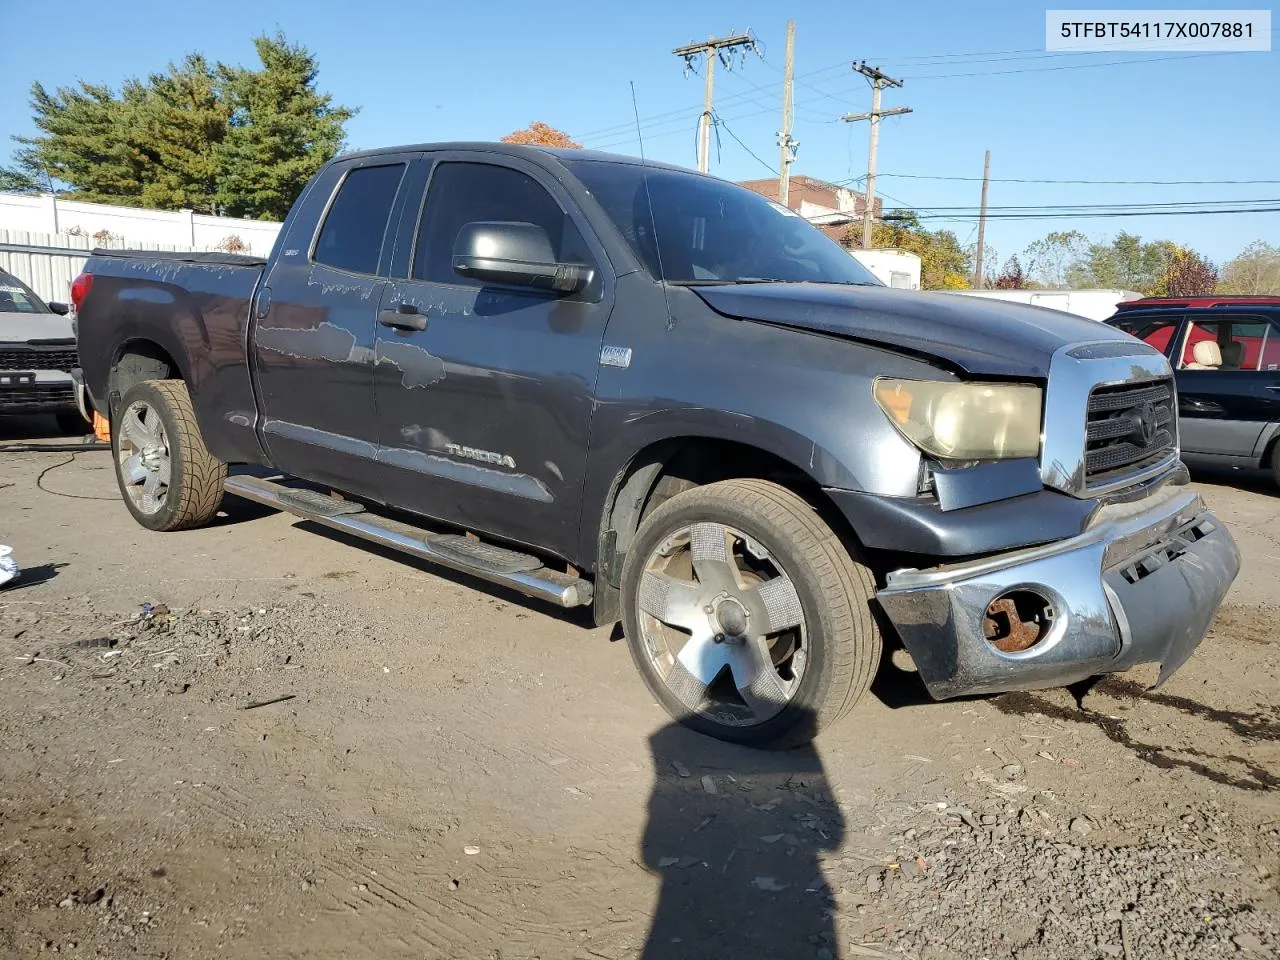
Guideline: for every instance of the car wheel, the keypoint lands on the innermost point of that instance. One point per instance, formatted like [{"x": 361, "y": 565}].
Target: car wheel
[
  {"x": 746, "y": 616},
  {"x": 167, "y": 477}
]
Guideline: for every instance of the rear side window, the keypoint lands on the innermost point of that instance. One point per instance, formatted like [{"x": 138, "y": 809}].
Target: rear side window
[
  {"x": 462, "y": 193},
  {"x": 353, "y": 231},
  {"x": 1240, "y": 343}
]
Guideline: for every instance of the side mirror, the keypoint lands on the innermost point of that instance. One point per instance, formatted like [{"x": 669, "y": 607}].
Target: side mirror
[
  {"x": 518, "y": 254},
  {"x": 59, "y": 308}
]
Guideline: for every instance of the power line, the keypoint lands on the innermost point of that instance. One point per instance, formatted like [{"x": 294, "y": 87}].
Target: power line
[
  {"x": 1086, "y": 215},
  {"x": 720, "y": 123},
  {"x": 1067, "y": 66},
  {"x": 1159, "y": 183}
]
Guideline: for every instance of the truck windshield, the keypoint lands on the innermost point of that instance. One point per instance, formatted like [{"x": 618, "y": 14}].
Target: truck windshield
[
  {"x": 703, "y": 230},
  {"x": 17, "y": 297}
]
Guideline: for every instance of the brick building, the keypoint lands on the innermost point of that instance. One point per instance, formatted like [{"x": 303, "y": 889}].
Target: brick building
[{"x": 831, "y": 207}]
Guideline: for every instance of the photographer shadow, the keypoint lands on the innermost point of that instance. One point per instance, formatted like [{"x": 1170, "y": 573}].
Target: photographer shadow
[{"x": 740, "y": 868}]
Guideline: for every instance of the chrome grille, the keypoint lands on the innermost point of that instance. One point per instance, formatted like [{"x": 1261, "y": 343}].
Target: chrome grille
[{"x": 1129, "y": 426}]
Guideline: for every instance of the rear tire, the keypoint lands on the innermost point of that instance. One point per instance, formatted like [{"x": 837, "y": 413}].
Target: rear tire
[
  {"x": 1275, "y": 462},
  {"x": 713, "y": 658},
  {"x": 167, "y": 477}
]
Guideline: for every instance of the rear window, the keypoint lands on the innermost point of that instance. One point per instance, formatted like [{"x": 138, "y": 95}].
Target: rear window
[{"x": 352, "y": 235}]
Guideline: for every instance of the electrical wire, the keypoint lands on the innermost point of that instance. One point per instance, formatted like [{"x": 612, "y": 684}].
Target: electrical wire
[
  {"x": 59, "y": 493},
  {"x": 720, "y": 123},
  {"x": 1157, "y": 183}
]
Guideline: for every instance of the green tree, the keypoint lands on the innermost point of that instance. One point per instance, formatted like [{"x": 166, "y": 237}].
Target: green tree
[
  {"x": 282, "y": 130},
  {"x": 1255, "y": 271},
  {"x": 88, "y": 140},
  {"x": 218, "y": 139},
  {"x": 13, "y": 180},
  {"x": 1050, "y": 258},
  {"x": 1126, "y": 263},
  {"x": 182, "y": 122},
  {"x": 944, "y": 265}
]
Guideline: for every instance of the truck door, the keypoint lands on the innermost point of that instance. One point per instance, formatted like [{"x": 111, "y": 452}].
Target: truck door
[
  {"x": 1223, "y": 403},
  {"x": 484, "y": 392},
  {"x": 313, "y": 338}
]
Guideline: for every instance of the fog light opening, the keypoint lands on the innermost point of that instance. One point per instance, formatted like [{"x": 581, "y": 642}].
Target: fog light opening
[{"x": 1017, "y": 621}]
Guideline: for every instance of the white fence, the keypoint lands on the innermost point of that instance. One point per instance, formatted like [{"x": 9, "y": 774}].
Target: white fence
[
  {"x": 48, "y": 264},
  {"x": 45, "y": 241},
  {"x": 181, "y": 229}
]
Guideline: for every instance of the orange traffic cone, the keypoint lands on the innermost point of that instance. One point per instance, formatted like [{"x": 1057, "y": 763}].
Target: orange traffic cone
[{"x": 101, "y": 427}]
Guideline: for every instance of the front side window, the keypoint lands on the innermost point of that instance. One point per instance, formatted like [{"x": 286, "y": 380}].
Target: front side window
[
  {"x": 1155, "y": 332},
  {"x": 1224, "y": 345},
  {"x": 462, "y": 193},
  {"x": 687, "y": 228},
  {"x": 352, "y": 235}
]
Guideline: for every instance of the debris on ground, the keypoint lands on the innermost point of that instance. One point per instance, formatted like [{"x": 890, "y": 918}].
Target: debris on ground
[{"x": 8, "y": 565}]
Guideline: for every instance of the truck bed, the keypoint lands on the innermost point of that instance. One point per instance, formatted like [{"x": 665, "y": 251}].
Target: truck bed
[{"x": 195, "y": 306}]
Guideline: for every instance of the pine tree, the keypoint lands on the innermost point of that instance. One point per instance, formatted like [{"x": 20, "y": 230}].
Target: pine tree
[{"x": 282, "y": 131}]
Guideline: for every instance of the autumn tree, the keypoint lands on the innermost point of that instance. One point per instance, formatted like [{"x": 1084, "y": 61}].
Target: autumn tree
[
  {"x": 539, "y": 134},
  {"x": 1255, "y": 271},
  {"x": 1186, "y": 274},
  {"x": 944, "y": 265},
  {"x": 1011, "y": 276}
]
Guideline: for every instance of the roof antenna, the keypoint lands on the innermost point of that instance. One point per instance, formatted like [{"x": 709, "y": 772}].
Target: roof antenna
[{"x": 653, "y": 223}]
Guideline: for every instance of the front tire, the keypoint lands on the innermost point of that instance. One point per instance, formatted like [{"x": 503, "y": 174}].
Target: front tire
[
  {"x": 167, "y": 477},
  {"x": 746, "y": 616}
]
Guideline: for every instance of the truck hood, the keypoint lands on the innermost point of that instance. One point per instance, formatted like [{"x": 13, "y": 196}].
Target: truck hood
[
  {"x": 977, "y": 336},
  {"x": 40, "y": 327}
]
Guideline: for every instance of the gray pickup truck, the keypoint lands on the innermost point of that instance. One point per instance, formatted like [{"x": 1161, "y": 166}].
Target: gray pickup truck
[{"x": 626, "y": 386}]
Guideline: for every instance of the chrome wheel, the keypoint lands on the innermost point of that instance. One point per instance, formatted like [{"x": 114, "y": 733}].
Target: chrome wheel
[
  {"x": 722, "y": 624},
  {"x": 142, "y": 451}
]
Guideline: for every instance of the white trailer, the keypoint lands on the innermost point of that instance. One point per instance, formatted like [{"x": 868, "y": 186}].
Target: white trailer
[
  {"x": 891, "y": 266},
  {"x": 1094, "y": 304}
]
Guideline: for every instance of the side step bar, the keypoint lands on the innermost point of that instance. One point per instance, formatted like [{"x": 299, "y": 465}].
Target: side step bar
[{"x": 521, "y": 572}]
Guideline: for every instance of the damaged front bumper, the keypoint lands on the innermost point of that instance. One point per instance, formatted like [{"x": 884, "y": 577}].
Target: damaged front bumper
[{"x": 1141, "y": 584}]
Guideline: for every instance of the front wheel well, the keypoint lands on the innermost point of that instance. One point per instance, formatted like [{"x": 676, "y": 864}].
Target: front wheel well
[{"x": 669, "y": 467}]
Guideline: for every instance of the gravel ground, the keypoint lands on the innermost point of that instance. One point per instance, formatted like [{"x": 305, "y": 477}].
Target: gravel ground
[{"x": 256, "y": 740}]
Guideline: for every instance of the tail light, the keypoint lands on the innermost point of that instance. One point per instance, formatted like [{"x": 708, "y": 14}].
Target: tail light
[{"x": 80, "y": 288}]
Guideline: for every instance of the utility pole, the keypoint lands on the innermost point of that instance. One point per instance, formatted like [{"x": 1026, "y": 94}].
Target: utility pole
[
  {"x": 721, "y": 48},
  {"x": 787, "y": 146},
  {"x": 879, "y": 81},
  {"x": 982, "y": 222}
]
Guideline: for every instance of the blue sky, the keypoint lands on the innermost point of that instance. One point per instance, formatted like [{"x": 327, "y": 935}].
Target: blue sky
[{"x": 422, "y": 71}]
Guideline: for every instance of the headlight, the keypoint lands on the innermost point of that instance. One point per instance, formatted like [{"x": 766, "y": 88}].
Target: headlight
[{"x": 965, "y": 421}]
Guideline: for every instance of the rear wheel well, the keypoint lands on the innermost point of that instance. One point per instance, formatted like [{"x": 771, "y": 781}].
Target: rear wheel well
[
  {"x": 669, "y": 467},
  {"x": 135, "y": 361}
]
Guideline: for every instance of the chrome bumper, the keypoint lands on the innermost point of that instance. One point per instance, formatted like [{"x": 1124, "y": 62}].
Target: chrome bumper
[
  {"x": 81, "y": 392},
  {"x": 1141, "y": 584}
]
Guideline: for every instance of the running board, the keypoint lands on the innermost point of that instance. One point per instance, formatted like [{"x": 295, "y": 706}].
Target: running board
[{"x": 521, "y": 572}]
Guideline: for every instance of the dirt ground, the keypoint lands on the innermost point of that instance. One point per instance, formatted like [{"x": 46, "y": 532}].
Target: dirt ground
[{"x": 306, "y": 748}]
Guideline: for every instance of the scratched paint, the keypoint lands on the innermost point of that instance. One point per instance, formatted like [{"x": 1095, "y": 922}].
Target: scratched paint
[
  {"x": 418, "y": 367},
  {"x": 328, "y": 341}
]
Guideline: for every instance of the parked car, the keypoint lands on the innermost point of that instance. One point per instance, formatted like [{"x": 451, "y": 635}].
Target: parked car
[
  {"x": 631, "y": 387},
  {"x": 1226, "y": 355},
  {"x": 37, "y": 354}
]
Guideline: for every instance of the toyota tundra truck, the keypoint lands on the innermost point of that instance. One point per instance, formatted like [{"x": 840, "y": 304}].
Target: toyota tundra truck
[{"x": 621, "y": 385}]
